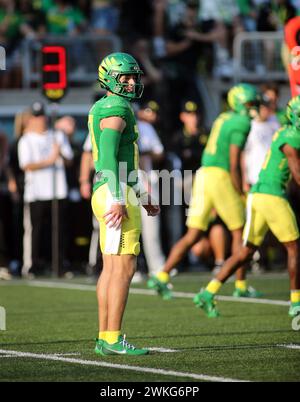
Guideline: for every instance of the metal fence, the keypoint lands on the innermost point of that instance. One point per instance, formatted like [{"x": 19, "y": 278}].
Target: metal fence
[
  {"x": 258, "y": 56},
  {"x": 84, "y": 54}
]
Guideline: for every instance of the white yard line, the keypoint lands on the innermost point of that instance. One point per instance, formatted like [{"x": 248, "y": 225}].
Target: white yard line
[
  {"x": 289, "y": 346},
  {"x": 164, "y": 350},
  {"x": 82, "y": 362},
  {"x": 146, "y": 292}
]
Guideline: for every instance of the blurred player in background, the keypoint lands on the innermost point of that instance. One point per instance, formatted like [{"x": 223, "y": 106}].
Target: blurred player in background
[
  {"x": 218, "y": 185},
  {"x": 268, "y": 208}
]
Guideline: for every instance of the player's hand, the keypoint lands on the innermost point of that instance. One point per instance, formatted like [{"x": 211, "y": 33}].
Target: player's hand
[
  {"x": 115, "y": 215},
  {"x": 151, "y": 207}
]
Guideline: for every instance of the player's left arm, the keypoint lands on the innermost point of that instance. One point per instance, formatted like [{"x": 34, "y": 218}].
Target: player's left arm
[{"x": 293, "y": 158}]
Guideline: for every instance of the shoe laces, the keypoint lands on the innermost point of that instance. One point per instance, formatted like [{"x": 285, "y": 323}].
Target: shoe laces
[{"x": 125, "y": 344}]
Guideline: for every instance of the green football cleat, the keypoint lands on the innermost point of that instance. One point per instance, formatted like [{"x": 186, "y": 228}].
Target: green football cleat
[
  {"x": 205, "y": 300},
  {"x": 163, "y": 289},
  {"x": 294, "y": 309},
  {"x": 98, "y": 347},
  {"x": 249, "y": 292},
  {"x": 122, "y": 347}
]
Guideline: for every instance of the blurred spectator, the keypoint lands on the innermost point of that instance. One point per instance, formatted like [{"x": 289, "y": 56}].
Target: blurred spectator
[
  {"x": 189, "y": 142},
  {"x": 41, "y": 155},
  {"x": 151, "y": 152},
  {"x": 67, "y": 124},
  {"x": 85, "y": 7},
  {"x": 259, "y": 140},
  {"x": 64, "y": 18},
  {"x": 104, "y": 16},
  {"x": 5, "y": 210},
  {"x": 10, "y": 35},
  {"x": 34, "y": 19},
  {"x": 180, "y": 65},
  {"x": 153, "y": 76},
  {"x": 248, "y": 10},
  {"x": 166, "y": 14},
  {"x": 220, "y": 22},
  {"x": 85, "y": 180},
  {"x": 21, "y": 225},
  {"x": 271, "y": 93},
  {"x": 273, "y": 15},
  {"x": 136, "y": 18}
]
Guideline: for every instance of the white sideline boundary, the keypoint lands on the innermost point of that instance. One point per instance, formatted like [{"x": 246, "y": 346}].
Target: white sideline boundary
[
  {"x": 289, "y": 346},
  {"x": 146, "y": 292},
  {"x": 171, "y": 373}
]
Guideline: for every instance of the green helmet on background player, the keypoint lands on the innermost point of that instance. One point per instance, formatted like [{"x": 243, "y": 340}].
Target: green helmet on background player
[
  {"x": 243, "y": 97},
  {"x": 112, "y": 67},
  {"x": 293, "y": 111}
]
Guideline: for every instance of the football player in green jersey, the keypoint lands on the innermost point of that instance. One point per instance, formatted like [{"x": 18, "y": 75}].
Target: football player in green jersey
[
  {"x": 217, "y": 185},
  {"x": 113, "y": 131},
  {"x": 268, "y": 208}
]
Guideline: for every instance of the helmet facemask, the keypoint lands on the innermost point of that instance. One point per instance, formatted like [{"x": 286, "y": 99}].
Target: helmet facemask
[
  {"x": 120, "y": 88},
  {"x": 113, "y": 67}
]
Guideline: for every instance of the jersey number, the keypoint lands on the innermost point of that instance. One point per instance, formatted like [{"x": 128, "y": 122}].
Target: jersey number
[{"x": 211, "y": 147}]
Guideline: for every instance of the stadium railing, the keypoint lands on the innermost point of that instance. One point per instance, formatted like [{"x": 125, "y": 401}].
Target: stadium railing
[
  {"x": 257, "y": 56},
  {"x": 84, "y": 54}
]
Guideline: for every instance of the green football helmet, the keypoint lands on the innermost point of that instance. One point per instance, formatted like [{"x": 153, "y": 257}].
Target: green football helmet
[
  {"x": 112, "y": 67},
  {"x": 293, "y": 111},
  {"x": 242, "y": 98}
]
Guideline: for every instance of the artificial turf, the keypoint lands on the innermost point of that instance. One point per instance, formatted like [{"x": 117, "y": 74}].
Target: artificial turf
[{"x": 246, "y": 343}]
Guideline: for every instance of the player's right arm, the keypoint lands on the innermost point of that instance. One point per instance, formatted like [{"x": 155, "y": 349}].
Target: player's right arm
[
  {"x": 111, "y": 131},
  {"x": 293, "y": 158},
  {"x": 235, "y": 167},
  {"x": 239, "y": 133}
]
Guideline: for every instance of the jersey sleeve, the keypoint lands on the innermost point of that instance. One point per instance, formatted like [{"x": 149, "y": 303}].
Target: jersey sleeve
[
  {"x": 113, "y": 106},
  {"x": 240, "y": 133},
  {"x": 294, "y": 142},
  {"x": 291, "y": 138}
]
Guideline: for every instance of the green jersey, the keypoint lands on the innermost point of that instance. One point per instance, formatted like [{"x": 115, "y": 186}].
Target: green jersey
[
  {"x": 123, "y": 159},
  {"x": 275, "y": 173},
  {"x": 228, "y": 129}
]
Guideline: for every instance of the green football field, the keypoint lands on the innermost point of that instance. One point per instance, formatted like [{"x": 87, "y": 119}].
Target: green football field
[{"x": 50, "y": 326}]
